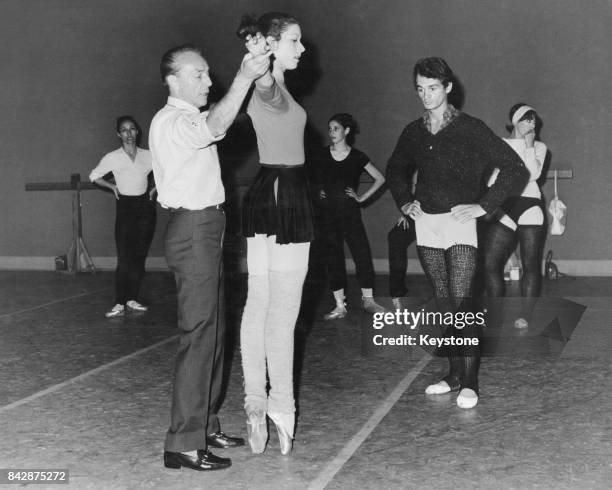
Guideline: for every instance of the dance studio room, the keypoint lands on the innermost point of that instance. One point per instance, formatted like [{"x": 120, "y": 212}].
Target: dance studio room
[{"x": 346, "y": 245}]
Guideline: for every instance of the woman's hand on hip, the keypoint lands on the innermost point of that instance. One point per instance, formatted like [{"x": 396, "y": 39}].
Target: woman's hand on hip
[{"x": 350, "y": 192}]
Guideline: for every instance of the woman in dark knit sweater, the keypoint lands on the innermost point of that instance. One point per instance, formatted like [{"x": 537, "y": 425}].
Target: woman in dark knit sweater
[
  {"x": 338, "y": 169},
  {"x": 453, "y": 154}
]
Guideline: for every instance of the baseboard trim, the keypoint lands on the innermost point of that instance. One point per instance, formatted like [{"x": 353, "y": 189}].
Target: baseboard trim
[
  {"x": 48, "y": 263},
  {"x": 569, "y": 267}
]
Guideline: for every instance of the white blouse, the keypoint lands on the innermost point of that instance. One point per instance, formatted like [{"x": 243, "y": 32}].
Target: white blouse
[{"x": 130, "y": 176}]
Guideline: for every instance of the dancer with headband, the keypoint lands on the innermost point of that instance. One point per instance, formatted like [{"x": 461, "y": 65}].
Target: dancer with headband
[{"x": 521, "y": 217}]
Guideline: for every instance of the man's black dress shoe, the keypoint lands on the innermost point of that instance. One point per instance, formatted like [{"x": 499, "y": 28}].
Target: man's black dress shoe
[
  {"x": 223, "y": 441},
  {"x": 205, "y": 460}
]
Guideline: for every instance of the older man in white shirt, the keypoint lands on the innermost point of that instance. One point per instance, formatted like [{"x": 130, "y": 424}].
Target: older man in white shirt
[{"x": 188, "y": 177}]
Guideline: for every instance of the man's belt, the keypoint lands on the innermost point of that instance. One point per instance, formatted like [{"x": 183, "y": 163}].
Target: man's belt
[{"x": 207, "y": 208}]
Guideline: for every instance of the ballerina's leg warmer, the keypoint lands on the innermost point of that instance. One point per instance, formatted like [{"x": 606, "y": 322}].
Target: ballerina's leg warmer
[
  {"x": 285, "y": 300},
  {"x": 252, "y": 345}
]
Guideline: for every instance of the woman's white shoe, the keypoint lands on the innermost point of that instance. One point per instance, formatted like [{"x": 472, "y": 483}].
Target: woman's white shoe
[
  {"x": 370, "y": 306},
  {"x": 337, "y": 313},
  {"x": 117, "y": 310},
  {"x": 521, "y": 323},
  {"x": 136, "y": 306}
]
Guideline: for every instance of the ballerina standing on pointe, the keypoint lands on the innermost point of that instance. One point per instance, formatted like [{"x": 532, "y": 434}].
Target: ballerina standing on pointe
[{"x": 278, "y": 225}]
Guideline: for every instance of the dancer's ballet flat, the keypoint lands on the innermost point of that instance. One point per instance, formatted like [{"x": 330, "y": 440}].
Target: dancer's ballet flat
[
  {"x": 257, "y": 431},
  {"x": 467, "y": 398},
  {"x": 285, "y": 423},
  {"x": 440, "y": 388},
  {"x": 446, "y": 385}
]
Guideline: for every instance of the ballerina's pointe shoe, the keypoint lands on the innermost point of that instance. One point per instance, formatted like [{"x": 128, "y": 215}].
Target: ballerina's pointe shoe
[
  {"x": 467, "y": 398},
  {"x": 257, "y": 431},
  {"x": 285, "y": 423},
  {"x": 521, "y": 323},
  {"x": 439, "y": 388}
]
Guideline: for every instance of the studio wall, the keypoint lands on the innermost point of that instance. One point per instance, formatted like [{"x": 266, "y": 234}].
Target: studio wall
[{"x": 70, "y": 67}]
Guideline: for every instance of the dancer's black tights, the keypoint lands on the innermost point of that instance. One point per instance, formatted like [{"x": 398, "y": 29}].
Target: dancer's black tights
[
  {"x": 500, "y": 242},
  {"x": 451, "y": 273}
]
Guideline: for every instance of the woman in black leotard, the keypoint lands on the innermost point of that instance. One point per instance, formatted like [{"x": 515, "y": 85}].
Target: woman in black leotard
[{"x": 338, "y": 170}]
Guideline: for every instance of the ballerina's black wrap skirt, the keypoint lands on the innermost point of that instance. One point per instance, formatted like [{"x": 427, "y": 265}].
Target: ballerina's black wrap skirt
[{"x": 287, "y": 213}]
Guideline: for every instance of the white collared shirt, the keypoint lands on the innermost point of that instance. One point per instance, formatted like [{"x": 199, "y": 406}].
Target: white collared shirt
[
  {"x": 185, "y": 161},
  {"x": 130, "y": 176}
]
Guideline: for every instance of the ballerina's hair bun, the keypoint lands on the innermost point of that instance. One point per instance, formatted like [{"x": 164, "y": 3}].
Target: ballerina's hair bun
[
  {"x": 248, "y": 27},
  {"x": 269, "y": 24}
]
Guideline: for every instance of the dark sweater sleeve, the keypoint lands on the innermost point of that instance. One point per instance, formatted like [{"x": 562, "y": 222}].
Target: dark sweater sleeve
[
  {"x": 513, "y": 175},
  {"x": 401, "y": 168}
]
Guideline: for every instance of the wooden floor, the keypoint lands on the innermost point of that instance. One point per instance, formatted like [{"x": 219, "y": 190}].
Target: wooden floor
[{"x": 92, "y": 395}]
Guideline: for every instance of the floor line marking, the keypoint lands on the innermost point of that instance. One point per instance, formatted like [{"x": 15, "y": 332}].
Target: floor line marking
[
  {"x": 84, "y": 375},
  {"x": 336, "y": 464},
  {"x": 25, "y": 310}
]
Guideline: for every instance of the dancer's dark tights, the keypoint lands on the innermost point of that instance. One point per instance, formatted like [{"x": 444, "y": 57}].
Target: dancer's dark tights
[
  {"x": 450, "y": 273},
  {"x": 500, "y": 243}
]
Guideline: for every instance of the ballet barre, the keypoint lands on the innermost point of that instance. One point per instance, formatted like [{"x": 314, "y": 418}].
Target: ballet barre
[
  {"x": 78, "y": 258},
  {"x": 550, "y": 174},
  {"x": 561, "y": 174}
]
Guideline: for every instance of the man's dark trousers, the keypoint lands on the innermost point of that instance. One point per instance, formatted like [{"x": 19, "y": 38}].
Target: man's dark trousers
[{"x": 194, "y": 250}]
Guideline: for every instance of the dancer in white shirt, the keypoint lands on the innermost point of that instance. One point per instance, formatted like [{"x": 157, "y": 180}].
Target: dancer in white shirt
[{"x": 135, "y": 218}]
